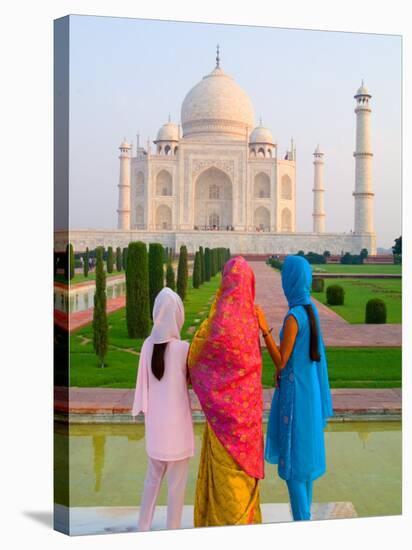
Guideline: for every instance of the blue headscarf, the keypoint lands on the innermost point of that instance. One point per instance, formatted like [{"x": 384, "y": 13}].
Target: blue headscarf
[{"x": 296, "y": 280}]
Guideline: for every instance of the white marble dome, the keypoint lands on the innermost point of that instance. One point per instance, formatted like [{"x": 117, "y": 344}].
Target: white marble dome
[
  {"x": 168, "y": 132},
  {"x": 217, "y": 106},
  {"x": 261, "y": 135}
]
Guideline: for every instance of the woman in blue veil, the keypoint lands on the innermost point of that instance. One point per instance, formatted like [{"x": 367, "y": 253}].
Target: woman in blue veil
[{"x": 302, "y": 400}]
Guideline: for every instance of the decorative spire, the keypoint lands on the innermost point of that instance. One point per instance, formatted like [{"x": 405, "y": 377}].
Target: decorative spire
[
  {"x": 260, "y": 120},
  {"x": 217, "y": 56},
  {"x": 169, "y": 119}
]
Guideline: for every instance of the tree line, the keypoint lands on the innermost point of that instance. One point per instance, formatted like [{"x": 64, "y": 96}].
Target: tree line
[{"x": 145, "y": 277}]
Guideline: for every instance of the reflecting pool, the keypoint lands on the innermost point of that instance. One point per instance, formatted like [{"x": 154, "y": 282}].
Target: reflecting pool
[
  {"x": 82, "y": 298},
  {"x": 108, "y": 464}
]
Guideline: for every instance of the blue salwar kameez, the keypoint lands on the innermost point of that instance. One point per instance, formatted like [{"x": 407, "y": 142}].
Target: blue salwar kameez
[{"x": 302, "y": 403}]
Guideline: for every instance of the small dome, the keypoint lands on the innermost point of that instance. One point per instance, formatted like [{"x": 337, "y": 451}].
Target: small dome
[
  {"x": 261, "y": 135},
  {"x": 363, "y": 90},
  {"x": 125, "y": 145},
  {"x": 168, "y": 132}
]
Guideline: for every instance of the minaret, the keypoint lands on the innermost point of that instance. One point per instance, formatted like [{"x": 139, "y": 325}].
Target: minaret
[
  {"x": 363, "y": 168},
  {"x": 124, "y": 187},
  {"x": 318, "y": 193}
]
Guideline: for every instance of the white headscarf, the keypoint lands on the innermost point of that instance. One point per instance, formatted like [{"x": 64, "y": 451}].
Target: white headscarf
[{"x": 168, "y": 316}]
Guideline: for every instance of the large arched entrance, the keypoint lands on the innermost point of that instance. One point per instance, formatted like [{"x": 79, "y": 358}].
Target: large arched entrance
[{"x": 213, "y": 200}]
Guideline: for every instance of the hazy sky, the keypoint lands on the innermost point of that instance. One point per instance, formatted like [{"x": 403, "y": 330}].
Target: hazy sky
[{"x": 126, "y": 75}]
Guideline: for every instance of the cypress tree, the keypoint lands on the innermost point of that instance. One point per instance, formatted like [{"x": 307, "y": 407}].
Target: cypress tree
[
  {"x": 69, "y": 263},
  {"x": 222, "y": 258},
  {"x": 118, "y": 259},
  {"x": 86, "y": 263},
  {"x": 202, "y": 264},
  {"x": 207, "y": 264},
  {"x": 214, "y": 262},
  {"x": 182, "y": 273},
  {"x": 196, "y": 271},
  {"x": 170, "y": 277},
  {"x": 137, "y": 291},
  {"x": 124, "y": 258},
  {"x": 156, "y": 272},
  {"x": 110, "y": 260},
  {"x": 100, "y": 325},
  {"x": 219, "y": 259}
]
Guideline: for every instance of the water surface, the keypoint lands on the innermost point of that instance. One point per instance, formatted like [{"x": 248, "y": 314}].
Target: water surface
[{"x": 108, "y": 464}]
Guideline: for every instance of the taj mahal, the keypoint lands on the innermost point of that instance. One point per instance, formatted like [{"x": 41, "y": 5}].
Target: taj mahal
[{"x": 216, "y": 179}]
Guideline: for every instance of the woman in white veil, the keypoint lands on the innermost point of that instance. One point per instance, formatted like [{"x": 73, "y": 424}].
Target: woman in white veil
[{"x": 162, "y": 395}]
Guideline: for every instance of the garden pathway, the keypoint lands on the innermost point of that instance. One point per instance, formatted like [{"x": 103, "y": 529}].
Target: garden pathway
[{"x": 336, "y": 331}]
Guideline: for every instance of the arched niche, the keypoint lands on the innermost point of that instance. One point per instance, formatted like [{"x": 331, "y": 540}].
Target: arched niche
[
  {"x": 286, "y": 220},
  {"x": 164, "y": 184},
  {"x": 286, "y": 188},
  {"x": 262, "y": 186}
]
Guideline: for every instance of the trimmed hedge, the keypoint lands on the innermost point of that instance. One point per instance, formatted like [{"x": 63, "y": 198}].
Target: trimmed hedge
[
  {"x": 202, "y": 265},
  {"x": 110, "y": 260},
  {"x": 156, "y": 272},
  {"x": 375, "y": 312},
  {"x": 86, "y": 257},
  {"x": 69, "y": 263},
  {"x": 318, "y": 284},
  {"x": 335, "y": 295},
  {"x": 170, "y": 277},
  {"x": 182, "y": 273},
  {"x": 196, "y": 276},
  {"x": 100, "y": 324},
  {"x": 118, "y": 258},
  {"x": 124, "y": 258},
  {"x": 208, "y": 273},
  {"x": 275, "y": 263},
  {"x": 137, "y": 291}
]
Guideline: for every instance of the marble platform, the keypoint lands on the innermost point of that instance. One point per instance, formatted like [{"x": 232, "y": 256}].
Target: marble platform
[{"x": 102, "y": 520}]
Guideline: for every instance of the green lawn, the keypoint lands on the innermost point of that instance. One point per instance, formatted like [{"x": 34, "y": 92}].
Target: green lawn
[
  {"x": 122, "y": 357},
  {"x": 355, "y": 368},
  {"x": 365, "y": 268},
  {"x": 348, "y": 367},
  {"x": 359, "y": 291}
]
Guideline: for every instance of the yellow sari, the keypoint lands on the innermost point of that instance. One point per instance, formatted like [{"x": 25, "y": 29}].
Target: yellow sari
[
  {"x": 225, "y": 494},
  {"x": 225, "y": 368}
]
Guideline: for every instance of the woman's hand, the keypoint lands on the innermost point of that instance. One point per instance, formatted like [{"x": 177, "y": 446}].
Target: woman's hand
[{"x": 263, "y": 324}]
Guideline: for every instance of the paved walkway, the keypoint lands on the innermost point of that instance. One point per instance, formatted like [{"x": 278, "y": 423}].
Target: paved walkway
[
  {"x": 81, "y": 318},
  {"x": 112, "y": 401},
  {"x": 336, "y": 331}
]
